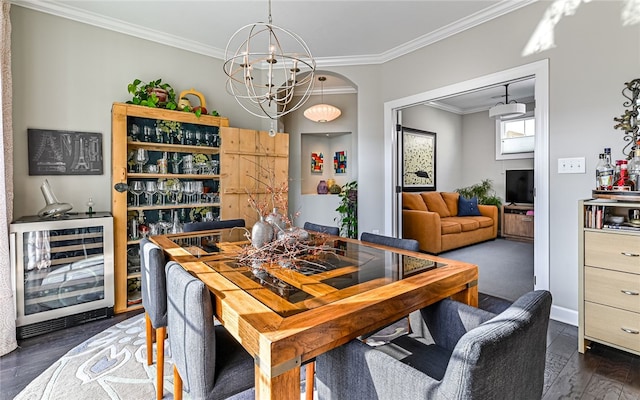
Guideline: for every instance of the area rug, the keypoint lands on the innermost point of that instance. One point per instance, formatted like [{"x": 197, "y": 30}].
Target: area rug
[{"x": 112, "y": 365}]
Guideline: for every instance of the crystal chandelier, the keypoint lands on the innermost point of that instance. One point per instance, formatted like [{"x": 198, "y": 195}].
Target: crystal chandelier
[
  {"x": 262, "y": 76},
  {"x": 322, "y": 112}
]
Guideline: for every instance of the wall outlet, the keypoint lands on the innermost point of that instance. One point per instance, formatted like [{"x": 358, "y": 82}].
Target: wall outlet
[{"x": 573, "y": 165}]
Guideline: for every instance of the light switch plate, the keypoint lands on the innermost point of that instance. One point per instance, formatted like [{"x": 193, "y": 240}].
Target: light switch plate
[{"x": 573, "y": 165}]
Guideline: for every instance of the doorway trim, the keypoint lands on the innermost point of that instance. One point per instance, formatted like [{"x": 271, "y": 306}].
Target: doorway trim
[{"x": 539, "y": 70}]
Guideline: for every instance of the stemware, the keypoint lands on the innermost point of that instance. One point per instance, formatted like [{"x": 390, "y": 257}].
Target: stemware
[
  {"x": 187, "y": 189},
  {"x": 149, "y": 190},
  {"x": 163, "y": 189},
  {"x": 176, "y": 189},
  {"x": 175, "y": 163},
  {"x": 198, "y": 188},
  {"x": 137, "y": 188},
  {"x": 141, "y": 158}
]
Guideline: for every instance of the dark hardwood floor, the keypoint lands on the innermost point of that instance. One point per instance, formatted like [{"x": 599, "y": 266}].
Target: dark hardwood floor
[{"x": 601, "y": 373}]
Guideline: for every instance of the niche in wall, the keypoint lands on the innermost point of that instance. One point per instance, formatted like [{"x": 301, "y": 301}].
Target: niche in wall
[{"x": 326, "y": 144}]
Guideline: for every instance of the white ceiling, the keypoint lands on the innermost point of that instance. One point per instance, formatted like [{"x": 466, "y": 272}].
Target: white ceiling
[{"x": 338, "y": 32}]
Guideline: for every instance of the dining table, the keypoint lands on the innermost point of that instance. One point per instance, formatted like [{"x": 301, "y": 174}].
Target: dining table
[{"x": 312, "y": 296}]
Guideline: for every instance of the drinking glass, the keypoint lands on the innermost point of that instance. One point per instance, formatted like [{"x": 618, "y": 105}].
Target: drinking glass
[
  {"x": 198, "y": 189},
  {"x": 141, "y": 158},
  {"x": 149, "y": 190},
  {"x": 176, "y": 189},
  {"x": 187, "y": 189},
  {"x": 163, "y": 189},
  {"x": 137, "y": 188}
]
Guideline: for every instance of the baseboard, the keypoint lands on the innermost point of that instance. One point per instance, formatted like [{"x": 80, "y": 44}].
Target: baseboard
[{"x": 564, "y": 315}]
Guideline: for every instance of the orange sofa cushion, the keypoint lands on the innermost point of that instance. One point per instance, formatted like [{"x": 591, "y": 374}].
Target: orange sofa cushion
[
  {"x": 451, "y": 200},
  {"x": 466, "y": 224},
  {"x": 435, "y": 203},
  {"x": 413, "y": 201},
  {"x": 449, "y": 227}
]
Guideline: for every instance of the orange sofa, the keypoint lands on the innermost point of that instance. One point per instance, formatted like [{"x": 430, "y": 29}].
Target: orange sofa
[{"x": 432, "y": 218}]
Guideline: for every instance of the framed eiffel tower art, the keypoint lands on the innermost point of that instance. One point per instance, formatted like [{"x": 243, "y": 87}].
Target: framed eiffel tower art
[{"x": 64, "y": 152}]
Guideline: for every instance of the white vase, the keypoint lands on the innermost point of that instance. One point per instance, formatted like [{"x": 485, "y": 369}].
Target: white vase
[
  {"x": 261, "y": 233},
  {"x": 276, "y": 220}
]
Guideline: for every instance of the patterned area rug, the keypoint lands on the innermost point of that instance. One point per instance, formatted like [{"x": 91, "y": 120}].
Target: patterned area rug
[{"x": 110, "y": 365}]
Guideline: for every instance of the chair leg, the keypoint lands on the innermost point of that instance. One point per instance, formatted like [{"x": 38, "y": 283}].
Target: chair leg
[
  {"x": 160, "y": 335},
  {"x": 177, "y": 384},
  {"x": 310, "y": 380},
  {"x": 149, "y": 339}
]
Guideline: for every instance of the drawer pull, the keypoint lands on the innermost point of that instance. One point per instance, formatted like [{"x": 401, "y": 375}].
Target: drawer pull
[
  {"x": 633, "y": 331},
  {"x": 630, "y": 292},
  {"x": 626, "y": 253}
]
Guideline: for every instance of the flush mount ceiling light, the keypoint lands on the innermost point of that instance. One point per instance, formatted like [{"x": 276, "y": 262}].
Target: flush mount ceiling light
[
  {"x": 322, "y": 112},
  {"x": 507, "y": 110},
  {"x": 268, "y": 93}
]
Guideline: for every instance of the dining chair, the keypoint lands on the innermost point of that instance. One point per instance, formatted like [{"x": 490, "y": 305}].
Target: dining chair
[
  {"x": 467, "y": 353},
  {"x": 208, "y": 361},
  {"x": 154, "y": 301},
  {"x": 329, "y": 230},
  {"x": 406, "y": 244},
  {"x": 209, "y": 225}
]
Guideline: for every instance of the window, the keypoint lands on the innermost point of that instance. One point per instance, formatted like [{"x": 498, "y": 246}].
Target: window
[{"x": 515, "y": 138}]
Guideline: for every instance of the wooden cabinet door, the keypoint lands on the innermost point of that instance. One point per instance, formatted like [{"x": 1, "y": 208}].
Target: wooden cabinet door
[{"x": 252, "y": 164}]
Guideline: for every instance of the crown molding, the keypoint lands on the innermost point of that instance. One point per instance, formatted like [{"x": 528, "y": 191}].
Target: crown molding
[
  {"x": 115, "y": 25},
  {"x": 75, "y": 14}
]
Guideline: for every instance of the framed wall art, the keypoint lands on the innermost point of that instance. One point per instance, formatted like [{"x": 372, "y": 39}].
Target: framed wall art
[
  {"x": 64, "y": 152},
  {"x": 317, "y": 161},
  {"x": 418, "y": 160},
  {"x": 340, "y": 162}
]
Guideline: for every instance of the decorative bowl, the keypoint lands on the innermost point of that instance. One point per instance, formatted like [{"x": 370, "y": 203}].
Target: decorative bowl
[{"x": 616, "y": 219}]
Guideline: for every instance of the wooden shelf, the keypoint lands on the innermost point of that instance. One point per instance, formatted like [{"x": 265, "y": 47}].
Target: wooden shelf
[
  {"x": 616, "y": 195},
  {"x": 172, "y": 148}
]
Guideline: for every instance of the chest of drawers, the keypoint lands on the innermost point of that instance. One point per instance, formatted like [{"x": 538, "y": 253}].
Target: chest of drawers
[{"x": 609, "y": 287}]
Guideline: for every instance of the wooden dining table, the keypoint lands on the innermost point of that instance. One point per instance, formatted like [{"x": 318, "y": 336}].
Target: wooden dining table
[{"x": 287, "y": 313}]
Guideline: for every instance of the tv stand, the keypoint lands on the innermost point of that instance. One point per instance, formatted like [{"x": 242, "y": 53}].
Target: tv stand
[{"x": 517, "y": 222}]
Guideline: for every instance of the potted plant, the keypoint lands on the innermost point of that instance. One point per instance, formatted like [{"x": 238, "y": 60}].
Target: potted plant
[
  {"x": 153, "y": 94},
  {"x": 348, "y": 210},
  {"x": 483, "y": 191}
]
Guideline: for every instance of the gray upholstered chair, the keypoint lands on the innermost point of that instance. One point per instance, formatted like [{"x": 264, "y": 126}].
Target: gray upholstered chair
[
  {"x": 406, "y": 244},
  {"x": 329, "y": 230},
  {"x": 207, "y": 359},
  {"x": 469, "y": 354},
  {"x": 154, "y": 301},
  {"x": 209, "y": 225}
]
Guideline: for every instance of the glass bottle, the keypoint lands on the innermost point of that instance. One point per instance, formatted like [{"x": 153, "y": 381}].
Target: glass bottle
[
  {"x": 623, "y": 182},
  {"x": 634, "y": 168},
  {"x": 599, "y": 168},
  {"x": 606, "y": 175}
]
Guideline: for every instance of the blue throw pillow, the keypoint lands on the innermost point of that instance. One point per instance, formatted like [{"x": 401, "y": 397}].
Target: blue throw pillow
[{"x": 468, "y": 207}]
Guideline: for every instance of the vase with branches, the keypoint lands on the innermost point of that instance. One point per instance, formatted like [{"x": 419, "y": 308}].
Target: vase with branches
[{"x": 348, "y": 210}]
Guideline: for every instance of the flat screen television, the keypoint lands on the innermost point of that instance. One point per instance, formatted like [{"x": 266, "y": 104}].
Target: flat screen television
[{"x": 519, "y": 186}]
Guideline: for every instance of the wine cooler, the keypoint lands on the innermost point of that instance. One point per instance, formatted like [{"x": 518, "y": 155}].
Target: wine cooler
[{"x": 63, "y": 271}]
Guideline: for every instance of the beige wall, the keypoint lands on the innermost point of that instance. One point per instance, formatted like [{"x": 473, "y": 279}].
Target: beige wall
[{"x": 66, "y": 75}]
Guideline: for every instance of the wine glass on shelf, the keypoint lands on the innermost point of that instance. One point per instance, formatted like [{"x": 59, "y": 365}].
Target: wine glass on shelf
[
  {"x": 163, "y": 189},
  {"x": 198, "y": 188},
  {"x": 137, "y": 188},
  {"x": 187, "y": 189},
  {"x": 141, "y": 157},
  {"x": 176, "y": 189},
  {"x": 149, "y": 190}
]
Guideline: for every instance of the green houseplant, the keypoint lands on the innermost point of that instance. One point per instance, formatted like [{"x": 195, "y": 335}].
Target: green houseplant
[
  {"x": 152, "y": 94},
  {"x": 348, "y": 210},
  {"x": 483, "y": 191}
]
